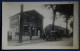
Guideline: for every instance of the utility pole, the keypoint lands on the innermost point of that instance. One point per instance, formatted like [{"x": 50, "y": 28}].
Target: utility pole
[{"x": 21, "y": 24}]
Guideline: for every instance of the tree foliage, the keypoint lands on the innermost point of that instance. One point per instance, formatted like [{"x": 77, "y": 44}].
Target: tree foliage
[{"x": 66, "y": 9}]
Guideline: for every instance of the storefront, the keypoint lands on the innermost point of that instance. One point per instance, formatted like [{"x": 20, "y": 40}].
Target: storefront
[{"x": 31, "y": 23}]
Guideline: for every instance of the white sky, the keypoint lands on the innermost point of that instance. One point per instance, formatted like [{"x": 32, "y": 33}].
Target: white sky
[{"x": 10, "y": 9}]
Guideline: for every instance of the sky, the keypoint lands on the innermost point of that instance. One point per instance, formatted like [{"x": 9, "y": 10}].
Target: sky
[{"x": 11, "y": 8}]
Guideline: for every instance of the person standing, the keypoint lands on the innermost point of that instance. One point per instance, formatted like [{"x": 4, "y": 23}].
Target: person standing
[
  {"x": 44, "y": 35},
  {"x": 30, "y": 31},
  {"x": 30, "y": 36},
  {"x": 60, "y": 35}
]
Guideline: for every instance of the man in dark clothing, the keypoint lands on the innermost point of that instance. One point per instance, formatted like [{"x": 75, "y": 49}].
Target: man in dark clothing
[
  {"x": 30, "y": 31},
  {"x": 44, "y": 35},
  {"x": 30, "y": 36},
  {"x": 60, "y": 34}
]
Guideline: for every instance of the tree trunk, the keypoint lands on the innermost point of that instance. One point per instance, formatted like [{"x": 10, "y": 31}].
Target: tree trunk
[
  {"x": 66, "y": 26},
  {"x": 54, "y": 13}
]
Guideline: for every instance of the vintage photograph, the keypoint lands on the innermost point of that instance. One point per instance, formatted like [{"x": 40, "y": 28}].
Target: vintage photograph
[{"x": 41, "y": 24}]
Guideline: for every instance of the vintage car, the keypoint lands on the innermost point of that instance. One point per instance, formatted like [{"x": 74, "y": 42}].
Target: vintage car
[{"x": 51, "y": 36}]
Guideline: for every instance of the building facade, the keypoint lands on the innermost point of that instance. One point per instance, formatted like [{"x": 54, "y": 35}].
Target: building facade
[{"x": 30, "y": 23}]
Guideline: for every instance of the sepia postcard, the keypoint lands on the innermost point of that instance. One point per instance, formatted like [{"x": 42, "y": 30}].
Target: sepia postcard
[{"x": 40, "y": 25}]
